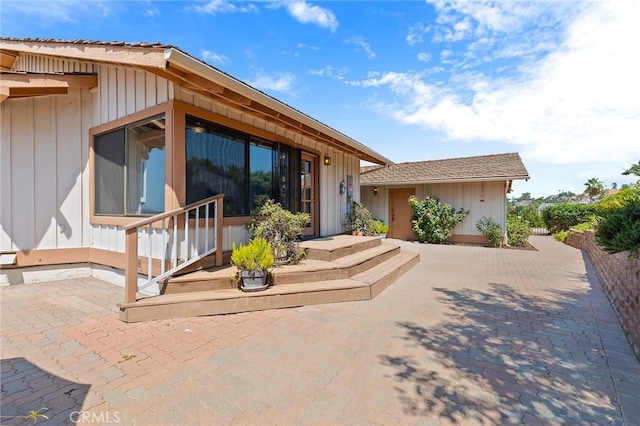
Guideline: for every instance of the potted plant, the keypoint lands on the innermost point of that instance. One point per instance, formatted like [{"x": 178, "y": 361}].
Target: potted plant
[
  {"x": 379, "y": 228},
  {"x": 281, "y": 228},
  {"x": 253, "y": 261},
  {"x": 359, "y": 220}
]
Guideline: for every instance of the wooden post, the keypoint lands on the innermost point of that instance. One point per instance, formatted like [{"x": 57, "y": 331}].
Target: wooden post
[
  {"x": 131, "y": 265},
  {"x": 218, "y": 223}
]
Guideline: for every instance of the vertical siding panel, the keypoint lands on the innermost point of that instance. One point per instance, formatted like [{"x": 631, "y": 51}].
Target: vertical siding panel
[
  {"x": 162, "y": 95},
  {"x": 150, "y": 91},
  {"x": 122, "y": 89},
  {"x": 104, "y": 94},
  {"x": 6, "y": 182},
  {"x": 112, "y": 94},
  {"x": 130, "y": 104},
  {"x": 22, "y": 202},
  {"x": 140, "y": 89},
  {"x": 45, "y": 172},
  {"x": 69, "y": 162},
  {"x": 85, "y": 110}
]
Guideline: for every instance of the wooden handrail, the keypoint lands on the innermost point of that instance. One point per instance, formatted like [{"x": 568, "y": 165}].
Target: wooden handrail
[
  {"x": 131, "y": 242},
  {"x": 160, "y": 216}
]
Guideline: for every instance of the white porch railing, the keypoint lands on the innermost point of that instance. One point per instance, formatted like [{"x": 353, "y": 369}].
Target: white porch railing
[{"x": 172, "y": 241}]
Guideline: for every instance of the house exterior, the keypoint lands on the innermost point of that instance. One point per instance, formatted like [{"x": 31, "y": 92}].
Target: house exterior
[
  {"x": 96, "y": 137},
  {"x": 479, "y": 184}
]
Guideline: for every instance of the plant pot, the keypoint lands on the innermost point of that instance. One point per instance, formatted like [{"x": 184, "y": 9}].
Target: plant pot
[
  {"x": 254, "y": 280},
  {"x": 358, "y": 233}
]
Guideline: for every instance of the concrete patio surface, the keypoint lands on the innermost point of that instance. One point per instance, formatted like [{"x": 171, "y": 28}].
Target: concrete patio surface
[{"x": 470, "y": 336}]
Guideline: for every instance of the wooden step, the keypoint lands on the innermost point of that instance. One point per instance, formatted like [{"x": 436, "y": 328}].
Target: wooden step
[
  {"x": 233, "y": 301},
  {"x": 206, "y": 280},
  {"x": 342, "y": 268},
  {"x": 384, "y": 274},
  {"x": 329, "y": 249}
]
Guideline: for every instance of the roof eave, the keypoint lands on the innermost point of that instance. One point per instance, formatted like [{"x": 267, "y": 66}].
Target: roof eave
[
  {"x": 185, "y": 61},
  {"x": 432, "y": 181}
]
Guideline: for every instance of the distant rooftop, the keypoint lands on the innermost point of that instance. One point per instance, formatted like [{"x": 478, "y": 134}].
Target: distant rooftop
[{"x": 480, "y": 168}]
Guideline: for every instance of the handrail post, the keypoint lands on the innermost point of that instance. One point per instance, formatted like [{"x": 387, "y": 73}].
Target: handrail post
[
  {"x": 131, "y": 265},
  {"x": 218, "y": 225}
]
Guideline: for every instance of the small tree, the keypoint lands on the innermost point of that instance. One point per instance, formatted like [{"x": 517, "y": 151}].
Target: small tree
[
  {"x": 594, "y": 187},
  {"x": 281, "y": 228},
  {"x": 433, "y": 221},
  {"x": 491, "y": 230}
]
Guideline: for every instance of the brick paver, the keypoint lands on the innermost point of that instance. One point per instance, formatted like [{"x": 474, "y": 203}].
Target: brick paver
[{"x": 469, "y": 336}]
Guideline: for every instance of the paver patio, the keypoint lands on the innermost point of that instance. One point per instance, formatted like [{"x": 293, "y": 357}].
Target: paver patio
[{"x": 471, "y": 335}]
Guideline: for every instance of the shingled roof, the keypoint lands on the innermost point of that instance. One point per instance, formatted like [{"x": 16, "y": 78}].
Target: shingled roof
[{"x": 497, "y": 167}]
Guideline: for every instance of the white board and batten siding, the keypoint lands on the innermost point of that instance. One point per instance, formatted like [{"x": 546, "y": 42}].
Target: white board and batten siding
[
  {"x": 44, "y": 156},
  {"x": 482, "y": 199},
  {"x": 44, "y": 153}
]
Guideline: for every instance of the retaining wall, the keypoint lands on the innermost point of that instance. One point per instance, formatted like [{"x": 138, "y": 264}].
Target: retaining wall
[{"x": 620, "y": 277}]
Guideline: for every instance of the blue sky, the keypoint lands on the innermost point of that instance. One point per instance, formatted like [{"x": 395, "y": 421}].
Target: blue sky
[{"x": 556, "y": 81}]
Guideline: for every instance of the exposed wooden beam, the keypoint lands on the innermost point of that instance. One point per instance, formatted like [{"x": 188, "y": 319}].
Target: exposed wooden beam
[
  {"x": 7, "y": 59},
  {"x": 14, "y": 85},
  {"x": 126, "y": 55}
]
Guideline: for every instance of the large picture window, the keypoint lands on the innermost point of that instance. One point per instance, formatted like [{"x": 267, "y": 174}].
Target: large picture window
[
  {"x": 243, "y": 168},
  {"x": 129, "y": 169}
]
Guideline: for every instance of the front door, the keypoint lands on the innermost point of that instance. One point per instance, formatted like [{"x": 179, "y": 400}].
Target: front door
[
  {"x": 400, "y": 214},
  {"x": 308, "y": 191}
]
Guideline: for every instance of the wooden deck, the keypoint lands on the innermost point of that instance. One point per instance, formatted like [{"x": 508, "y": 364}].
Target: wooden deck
[{"x": 337, "y": 269}]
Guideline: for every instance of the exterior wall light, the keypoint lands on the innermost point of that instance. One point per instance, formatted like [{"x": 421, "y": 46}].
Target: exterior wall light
[
  {"x": 327, "y": 161},
  {"x": 375, "y": 190}
]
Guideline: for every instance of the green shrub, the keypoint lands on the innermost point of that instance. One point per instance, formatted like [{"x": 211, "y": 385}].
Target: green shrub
[
  {"x": 360, "y": 219},
  {"x": 619, "y": 199},
  {"x": 255, "y": 256},
  {"x": 562, "y": 216},
  {"x": 561, "y": 236},
  {"x": 619, "y": 229},
  {"x": 518, "y": 232},
  {"x": 586, "y": 226},
  {"x": 530, "y": 214},
  {"x": 433, "y": 221},
  {"x": 281, "y": 228},
  {"x": 379, "y": 227},
  {"x": 491, "y": 230}
]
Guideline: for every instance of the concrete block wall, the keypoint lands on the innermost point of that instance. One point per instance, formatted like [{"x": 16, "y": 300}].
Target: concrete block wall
[{"x": 620, "y": 276}]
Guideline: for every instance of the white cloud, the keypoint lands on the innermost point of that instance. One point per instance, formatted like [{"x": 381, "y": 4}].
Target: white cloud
[
  {"x": 424, "y": 57},
  {"x": 329, "y": 71},
  {"x": 580, "y": 103},
  {"x": 214, "y": 7},
  {"x": 280, "y": 82},
  {"x": 362, "y": 46},
  {"x": 213, "y": 58},
  {"x": 312, "y": 14},
  {"x": 416, "y": 34}
]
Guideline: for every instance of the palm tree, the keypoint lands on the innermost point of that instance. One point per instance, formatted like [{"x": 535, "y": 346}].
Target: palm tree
[
  {"x": 594, "y": 187},
  {"x": 633, "y": 170}
]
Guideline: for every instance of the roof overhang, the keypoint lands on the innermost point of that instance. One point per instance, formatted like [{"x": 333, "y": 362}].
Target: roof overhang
[
  {"x": 21, "y": 85},
  {"x": 434, "y": 181},
  {"x": 197, "y": 75},
  {"x": 176, "y": 66}
]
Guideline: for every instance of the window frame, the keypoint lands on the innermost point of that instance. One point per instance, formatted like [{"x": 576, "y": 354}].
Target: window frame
[{"x": 175, "y": 113}]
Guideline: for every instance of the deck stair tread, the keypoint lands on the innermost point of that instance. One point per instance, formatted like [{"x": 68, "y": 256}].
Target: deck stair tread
[
  {"x": 354, "y": 269},
  {"x": 235, "y": 293},
  {"x": 381, "y": 270},
  {"x": 368, "y": 254}
]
